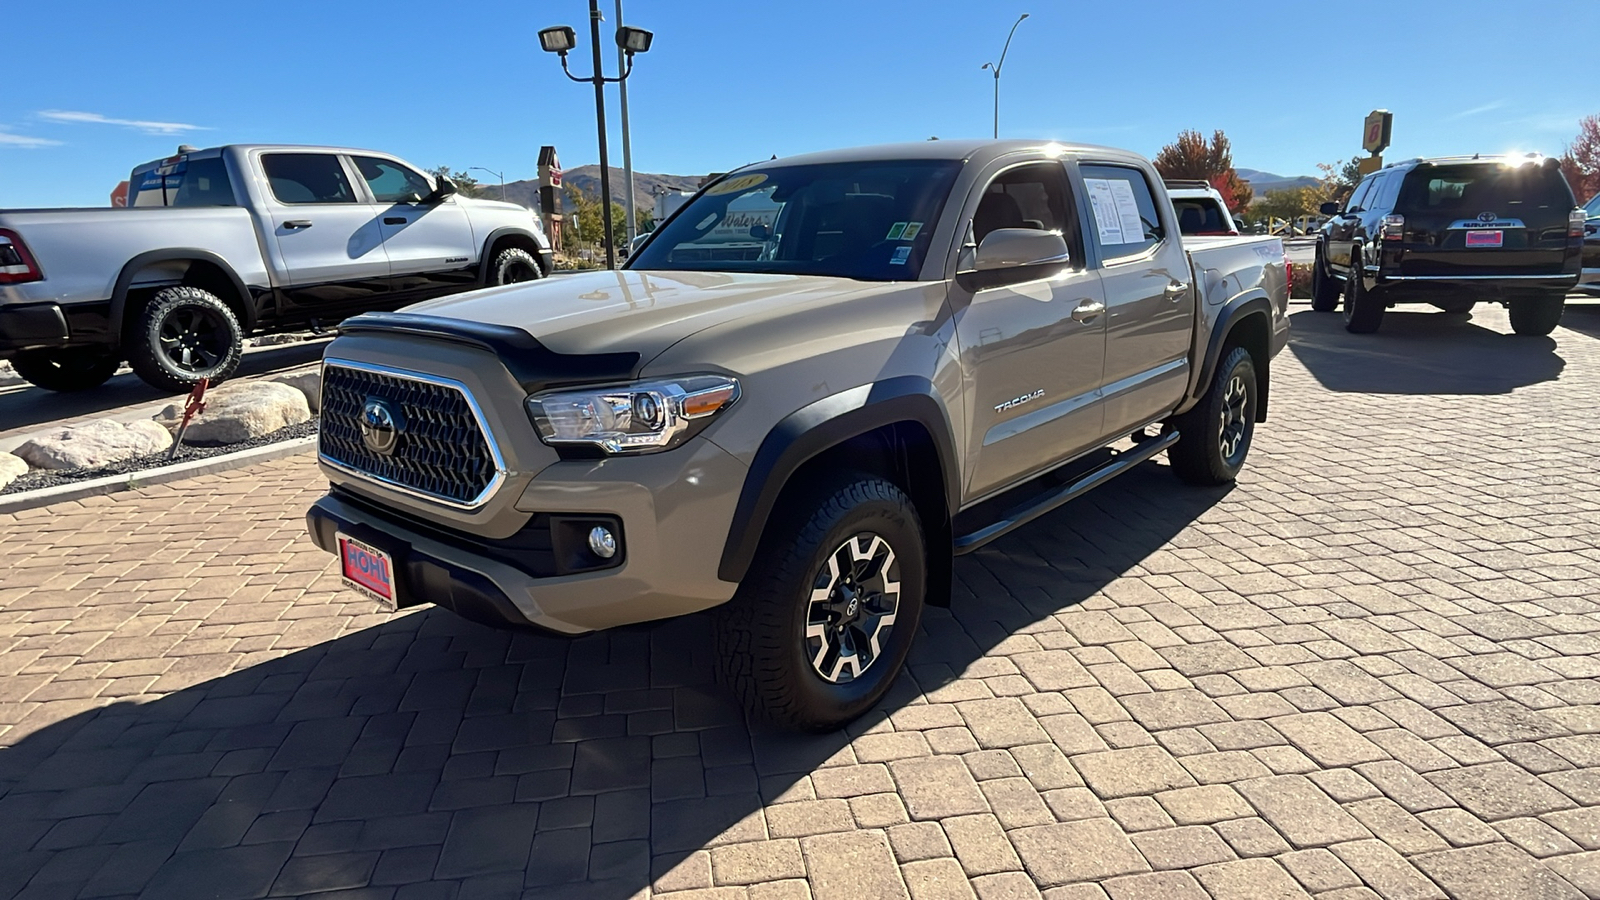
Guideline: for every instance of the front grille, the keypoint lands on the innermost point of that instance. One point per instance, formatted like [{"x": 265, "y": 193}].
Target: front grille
[{"x": 442, "y": 451}]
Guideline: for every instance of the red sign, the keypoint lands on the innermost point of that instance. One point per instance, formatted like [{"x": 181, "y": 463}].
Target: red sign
[{"x": 119, "y": 195}]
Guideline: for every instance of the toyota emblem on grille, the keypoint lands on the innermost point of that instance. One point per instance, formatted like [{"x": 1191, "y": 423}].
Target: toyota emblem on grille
[
  {"x": 1487, "y": 217},
  {"x": 380, "y": 427}
]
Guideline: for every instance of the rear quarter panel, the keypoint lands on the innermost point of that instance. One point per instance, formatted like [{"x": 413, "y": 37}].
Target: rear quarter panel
[{"x": 1230, "y": 271}]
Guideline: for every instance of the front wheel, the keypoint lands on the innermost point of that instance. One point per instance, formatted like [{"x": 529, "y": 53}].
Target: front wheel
[
  {"x": 514, "y": 266},
  {"x": 1214, "y": 436},
  {"x": 1324, "y": 292},
  {"x": 822, "y": 623},
  {"x": 67, "y": 369},
  {"x": 184, "y": 334},
  {"x": 1537, "y": 316}
]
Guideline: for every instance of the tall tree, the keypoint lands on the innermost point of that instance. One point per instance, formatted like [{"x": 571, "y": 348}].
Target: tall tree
[
  {"x": 1580, "y": 161},
  {"x": 465, "y": 184},
  {"x": 1191, "y": 156}
]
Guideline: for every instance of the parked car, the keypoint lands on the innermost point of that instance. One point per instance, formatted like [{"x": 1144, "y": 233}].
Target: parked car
[
  {"x": 222, "y": 243},
  {"x": 1589, "y": 279},
  {"x": 1453, "y": 231},
  {"x": 923, "y": 348},
  {"x": 1201, "y": 209}
]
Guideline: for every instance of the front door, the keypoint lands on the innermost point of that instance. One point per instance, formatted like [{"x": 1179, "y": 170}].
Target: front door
[
  {"x": 1150, "y": 302},
  {"x": 430, "y": 244},
  {"x": 329, "y": 241},
  {"x": 1032, "y": 348},
  {"x": 1342, "y": 230}
]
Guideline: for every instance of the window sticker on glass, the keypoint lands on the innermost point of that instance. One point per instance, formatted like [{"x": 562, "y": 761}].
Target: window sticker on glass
[
  {"x": 1127, "y": 211},
  {"x": 912, "y": 230},
  {"x": 900, "y": 255},
  {"x": 1106, "y": 220},
  {"x": 895, "y": 231},
  {"x": 731, "y": 185}
]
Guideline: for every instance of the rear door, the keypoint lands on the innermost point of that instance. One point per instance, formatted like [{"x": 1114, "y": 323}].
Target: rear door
[
  {"x": 328, "y": 236},
  {"x": 430, "y": 245},
  {"x": 1150, "y": 302},
  {"x": 1485, "y": 218}
]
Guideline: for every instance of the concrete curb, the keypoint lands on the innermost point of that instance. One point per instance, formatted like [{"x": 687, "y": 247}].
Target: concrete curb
[{"x": 132, "y": 481}]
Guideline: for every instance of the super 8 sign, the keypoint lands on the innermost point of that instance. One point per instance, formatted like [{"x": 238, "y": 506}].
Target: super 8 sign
[{"x": 1375, "y": 136}]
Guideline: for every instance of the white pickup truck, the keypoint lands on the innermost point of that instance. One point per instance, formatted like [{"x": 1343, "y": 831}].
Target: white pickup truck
[{"x": 222, "y": 243}]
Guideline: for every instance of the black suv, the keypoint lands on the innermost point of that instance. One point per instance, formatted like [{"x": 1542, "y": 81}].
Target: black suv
[{"x": 1450, "y": 232}]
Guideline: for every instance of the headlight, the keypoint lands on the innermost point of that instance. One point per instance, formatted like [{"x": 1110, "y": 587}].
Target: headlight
[{"x": 634, "y": 418}]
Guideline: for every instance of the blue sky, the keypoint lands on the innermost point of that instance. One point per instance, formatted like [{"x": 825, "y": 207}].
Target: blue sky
[{"x": 99, "y": 87}]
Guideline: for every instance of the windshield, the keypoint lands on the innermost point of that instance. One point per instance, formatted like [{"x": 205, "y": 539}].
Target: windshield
[
  {"x": 1200, "y": 215},
  {"x": 1593, "y": 209},
  {"x": 870, "y": 221},
  {"x": 1465, "y": 190}
]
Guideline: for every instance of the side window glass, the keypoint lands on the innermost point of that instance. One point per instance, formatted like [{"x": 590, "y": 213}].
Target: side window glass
[
  {"x": 1387, "y": 192},
  {"x": 307, "y": 178},
  {"x": 1032, "y": 196},
  {"x": 1123, "y": 210},
  {"x": 1358, "y": 199},
  {"x": 391, "y": 182}
]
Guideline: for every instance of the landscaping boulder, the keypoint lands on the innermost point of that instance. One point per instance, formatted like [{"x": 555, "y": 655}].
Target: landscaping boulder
[
  {"x": 96, "y": 443},
  {"x": 11, "y": 468},
  {"x": 308, "y": 382},
  {"x": 240, "y": 411}
]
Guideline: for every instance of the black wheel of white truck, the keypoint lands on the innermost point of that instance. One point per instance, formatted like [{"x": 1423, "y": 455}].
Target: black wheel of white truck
[
  {"x": 1214, "y": 436},
  {"x": 184, "y": 334},
  {"x": 514, "y": 266},
  {"x": 822, "y": 623},
  {"x": 67, "y": 369}
]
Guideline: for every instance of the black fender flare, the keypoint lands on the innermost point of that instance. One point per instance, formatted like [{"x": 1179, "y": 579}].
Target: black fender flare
[
  {"x": 119, "y": 293},
  {"x": 1232, "y": 314},
  {"x": 822, "y": 425},
  {"x": 485, "y": 260}
]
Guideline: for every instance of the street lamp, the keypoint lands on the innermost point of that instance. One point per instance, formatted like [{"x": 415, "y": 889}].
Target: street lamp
[
  {"x": 996, "y": 67},
  {"x": 561, "y": 39},
  {"x": 499, "y": 175}
]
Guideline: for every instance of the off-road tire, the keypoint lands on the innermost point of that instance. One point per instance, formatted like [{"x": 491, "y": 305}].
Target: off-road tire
[
  {"x": 1537, "y": 316},
  {"x": 514, "y": 265},
  {"x": 1324, "y": 291},
  {"x": 1363, "y": 309},
  {"x": 1198, "y": 457},
  {"x": 1454, "y": 307},
  {"x": 67, "y": 369},
  {"x": 154, "y": 340},
  {"x": 761, "y": 632}
]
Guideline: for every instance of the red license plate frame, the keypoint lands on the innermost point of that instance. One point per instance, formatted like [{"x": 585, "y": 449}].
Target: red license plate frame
[
  {"x": 1483, "y": 237},
  {"x": 368, "y": 571}
]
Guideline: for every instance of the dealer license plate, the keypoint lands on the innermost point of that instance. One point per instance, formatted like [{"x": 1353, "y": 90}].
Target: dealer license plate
[
  {"x": 367, "y": 570},
  {"x": 1479, "y": 238}
]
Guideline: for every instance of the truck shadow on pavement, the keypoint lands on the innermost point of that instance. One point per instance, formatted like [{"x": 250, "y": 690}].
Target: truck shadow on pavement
[
  {"x": 1420, "y": 353},
  {"x": 23, "y": 404},
  {"x": 432, "y": 758}
]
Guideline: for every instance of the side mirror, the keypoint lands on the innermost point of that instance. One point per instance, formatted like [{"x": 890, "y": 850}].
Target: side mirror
[
  {"x": 444, "y": 188},
  {"x": 1007, "y": 248},
  {"x": 1329, "y": 209}
]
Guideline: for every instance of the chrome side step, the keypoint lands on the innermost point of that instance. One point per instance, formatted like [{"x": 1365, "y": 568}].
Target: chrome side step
[{"x": 1018, "y": 516}]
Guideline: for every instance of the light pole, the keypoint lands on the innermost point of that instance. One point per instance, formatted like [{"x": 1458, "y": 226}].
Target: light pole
[
  {"x": 560, "y": 39},
  {"x": 627, "y": 144},
  {"x": 996, "y": 67},
  {"x": 499, "y": 175}
]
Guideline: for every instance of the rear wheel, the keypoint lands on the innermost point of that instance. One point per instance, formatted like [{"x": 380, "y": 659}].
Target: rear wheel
[
  {"x": 1363, "y": 309},
  {"x": 1324, "y": 292},
  {"x": 1537, "y": 315},
  {"x": 67, "y": 369},
  {"x": 514, "y": 266},
  {"x": 1214, "y": 436},
  {"x": 182, "y": 335},
  {"x": 822, "y": 623}
]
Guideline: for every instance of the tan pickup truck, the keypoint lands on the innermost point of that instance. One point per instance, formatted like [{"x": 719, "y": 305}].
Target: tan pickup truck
[{"x": 818, "y": 382}]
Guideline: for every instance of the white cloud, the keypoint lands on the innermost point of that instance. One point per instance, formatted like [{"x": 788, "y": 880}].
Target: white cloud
[
  {"x": 59, "y": 115},
  {"x": 8, "y": 139},
  {"x": 1475, "y": 111}
]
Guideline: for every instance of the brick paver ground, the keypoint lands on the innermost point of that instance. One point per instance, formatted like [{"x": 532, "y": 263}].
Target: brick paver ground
[{"x": 1370, "y": 670}]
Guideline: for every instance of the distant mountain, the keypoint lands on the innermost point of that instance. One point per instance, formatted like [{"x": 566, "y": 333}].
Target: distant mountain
[
  {"x": 587, "y": 179},
  {"x": 1261, "y": 182}
]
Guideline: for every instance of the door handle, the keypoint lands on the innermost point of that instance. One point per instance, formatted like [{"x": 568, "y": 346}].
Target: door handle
[
  {"x": 1087, "y": 310},
  {"x": 394, "y": 220},
  {"x": 292, "y": 224},
  {"x": 1176, "y": 291}
]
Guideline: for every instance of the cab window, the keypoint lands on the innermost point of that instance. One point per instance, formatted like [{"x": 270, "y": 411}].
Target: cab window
[
  {"x": 391, "y": 182},
  {"x": 1358, "y": 197},
  {"x": 1031, "y": 196},
  {"x": 307, "y": 178},
  {"x": 1123, "y": 210}
]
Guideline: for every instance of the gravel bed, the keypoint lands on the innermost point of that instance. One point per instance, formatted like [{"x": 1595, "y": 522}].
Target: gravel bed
[{"x": 42, "y": 478}]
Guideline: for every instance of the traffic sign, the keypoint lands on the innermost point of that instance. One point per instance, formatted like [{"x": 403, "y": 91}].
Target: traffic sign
[{"x": 1376, "y": 133}]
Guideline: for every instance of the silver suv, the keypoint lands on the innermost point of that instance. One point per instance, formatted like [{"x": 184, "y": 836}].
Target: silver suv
[{"x": 814, "y": 385}]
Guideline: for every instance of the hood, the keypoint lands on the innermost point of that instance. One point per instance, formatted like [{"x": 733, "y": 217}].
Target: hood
[{"x": 637, "y": 311}]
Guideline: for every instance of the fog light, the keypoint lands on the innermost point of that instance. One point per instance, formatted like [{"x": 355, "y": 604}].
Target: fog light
[{"x": 602, "y": 542}]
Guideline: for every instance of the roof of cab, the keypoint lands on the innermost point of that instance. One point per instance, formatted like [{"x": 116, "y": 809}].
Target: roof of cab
[
  {"x": 207, "y": 152},
  {"x": 979, "y": 151}
]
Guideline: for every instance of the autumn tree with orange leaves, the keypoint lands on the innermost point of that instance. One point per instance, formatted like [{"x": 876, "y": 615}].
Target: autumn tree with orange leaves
[
  {"x": 1580, "y": 162},
  {"x": 1192, "y": 157}
]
